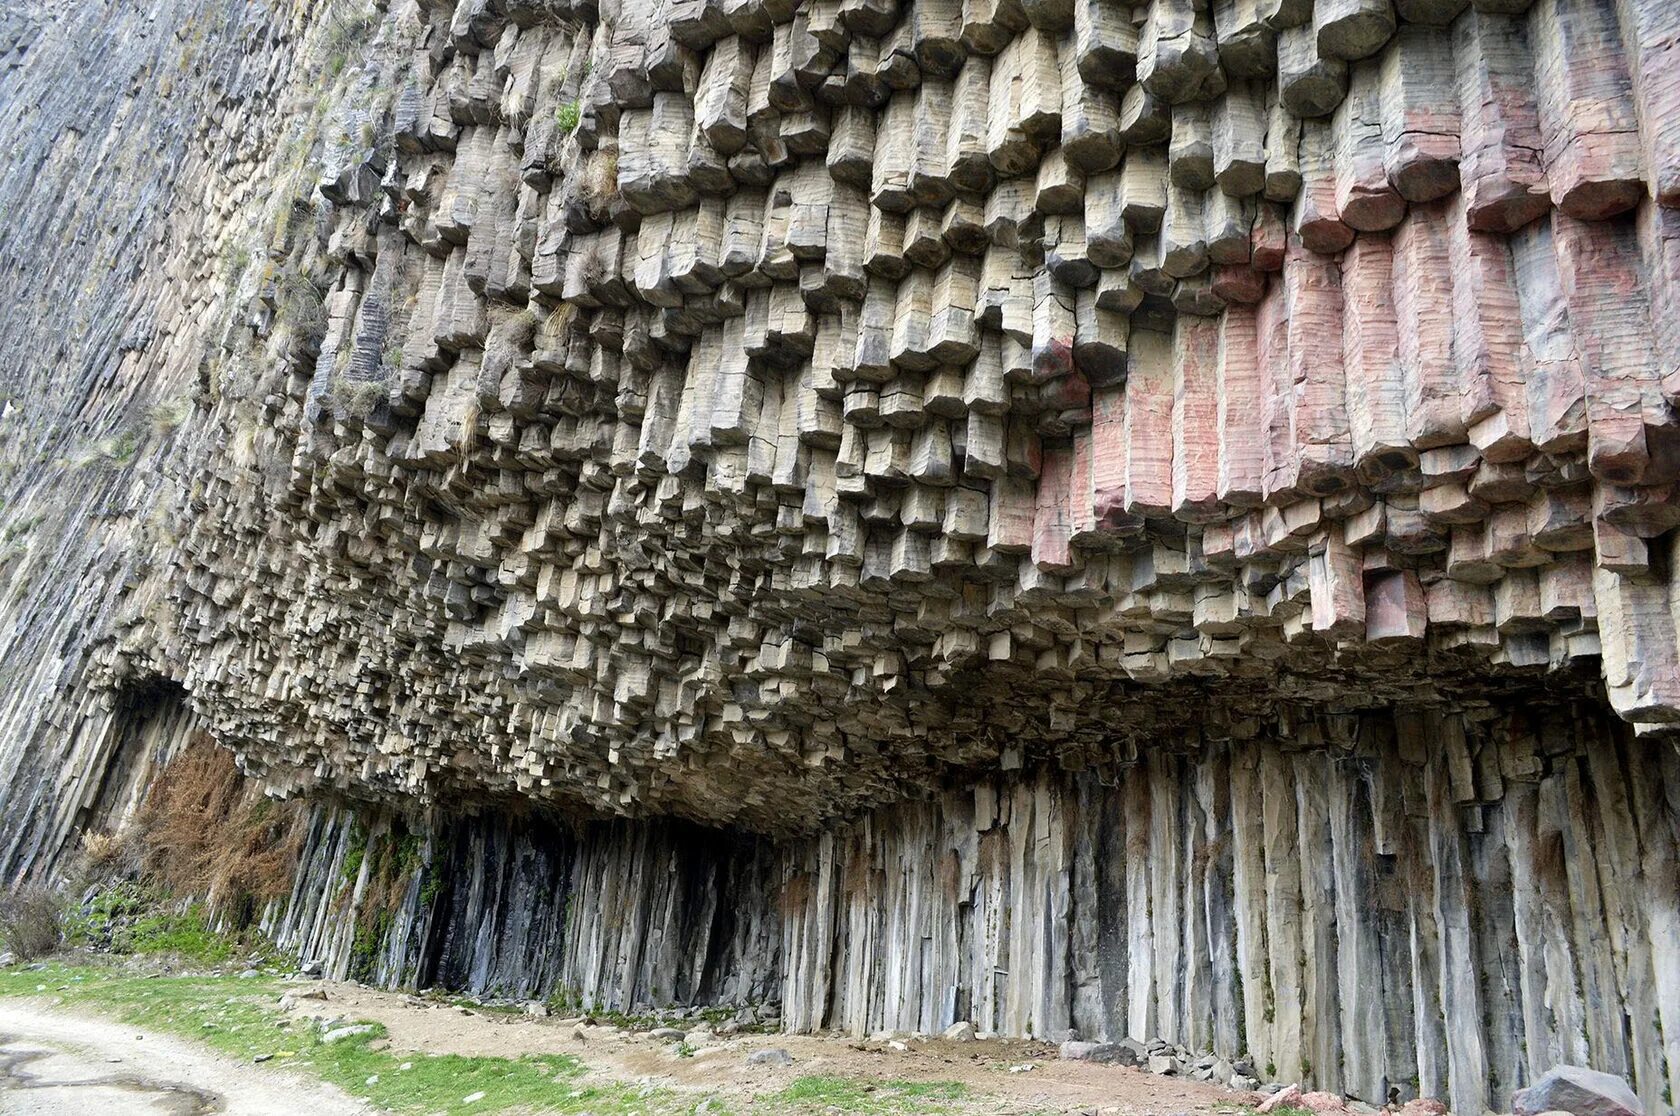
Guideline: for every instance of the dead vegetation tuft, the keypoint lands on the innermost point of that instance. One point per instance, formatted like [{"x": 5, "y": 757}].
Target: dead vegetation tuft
[{"x": 209, "y": 832}]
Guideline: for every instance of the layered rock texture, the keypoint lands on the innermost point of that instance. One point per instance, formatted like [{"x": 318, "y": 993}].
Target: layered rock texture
[{"x": 1149, "y": 517}]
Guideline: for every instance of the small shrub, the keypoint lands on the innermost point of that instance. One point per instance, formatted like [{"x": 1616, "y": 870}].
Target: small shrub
[
  {"x": 567, "y": 115},
  {"x": 298, "y": 303},
  {"x": 106, "y": 855},
  {"x": 31, "y": 921}
]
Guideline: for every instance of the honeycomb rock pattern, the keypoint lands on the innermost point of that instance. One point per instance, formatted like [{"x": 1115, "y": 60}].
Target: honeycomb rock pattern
[{"x": 754, "y": 410}]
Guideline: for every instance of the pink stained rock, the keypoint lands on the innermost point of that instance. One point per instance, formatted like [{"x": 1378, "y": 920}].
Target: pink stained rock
[
  {"x": 1423, "y": 1106},
  {"x": 1289, "y": 1097}
]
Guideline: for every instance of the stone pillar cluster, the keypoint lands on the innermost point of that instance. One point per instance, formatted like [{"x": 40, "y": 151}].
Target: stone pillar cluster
[{"x": 742, "y": 409}]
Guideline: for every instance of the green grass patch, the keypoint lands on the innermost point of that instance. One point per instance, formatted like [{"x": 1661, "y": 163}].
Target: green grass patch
[
  {"x": 130, "y": 918},
  {"x": 181, "y": 933},
  {"x": 239, "y": 1017}
]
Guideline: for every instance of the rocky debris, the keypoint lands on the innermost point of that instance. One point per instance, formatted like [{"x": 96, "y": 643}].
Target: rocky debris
[
  {"x": 536, "y": 1009},
  {"x": 1122, "y": 1053},
  {"x": 1580, "y": 1091}
]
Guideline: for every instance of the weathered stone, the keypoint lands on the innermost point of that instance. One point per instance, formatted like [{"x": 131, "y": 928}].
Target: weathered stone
[
  {"x": 339, "y": 1034},
  {"x": 1108, "y": 1053},
  {"x": 1578, "y": 1090},
  {"x": 1163, "y": 1064}
]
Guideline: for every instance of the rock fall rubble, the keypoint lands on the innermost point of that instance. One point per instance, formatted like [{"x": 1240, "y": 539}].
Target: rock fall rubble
[{"x": 1149, "y": 517}]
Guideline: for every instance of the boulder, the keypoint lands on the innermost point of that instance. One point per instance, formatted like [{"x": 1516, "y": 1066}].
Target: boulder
[
  {"x": 959, "y": 1032},
  {"x": 339, "y": 1034},
  {"x": 771, "y": 1056},
  {"x": 1287, "y": 1097},
  {"x": 1108, "y": 1053},
  {"x": 1164, "y": 1064},
  {"x": 1423, "y": 1106},
  {"x": 1580, "y": 1091},
  {"x": 667, "y": 1034},
  {"x": 1326, "y": 1104}
]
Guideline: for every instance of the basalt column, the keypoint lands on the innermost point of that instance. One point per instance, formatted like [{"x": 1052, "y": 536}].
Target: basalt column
[{"x": 1384, "y": 904}]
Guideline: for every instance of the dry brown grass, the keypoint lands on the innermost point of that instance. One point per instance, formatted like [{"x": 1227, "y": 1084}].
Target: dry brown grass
[
  {"x": 207, "y": 831},
  {"x": 107, "y": 856}
]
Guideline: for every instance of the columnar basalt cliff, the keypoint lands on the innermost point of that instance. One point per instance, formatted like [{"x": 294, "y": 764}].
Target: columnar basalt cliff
[{"x": 1155, "y": 518}]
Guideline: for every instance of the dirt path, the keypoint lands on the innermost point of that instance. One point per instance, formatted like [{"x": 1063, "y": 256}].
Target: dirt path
[
  {"x": 998, "y": 1077},
  {"x": 55, "y": 1063}
]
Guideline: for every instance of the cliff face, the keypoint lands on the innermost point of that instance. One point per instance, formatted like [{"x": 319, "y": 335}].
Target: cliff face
[{"x": 1215, "y": 461}]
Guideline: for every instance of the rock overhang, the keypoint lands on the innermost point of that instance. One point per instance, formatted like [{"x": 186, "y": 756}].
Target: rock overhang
[{"x": 753, "y": 416}]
